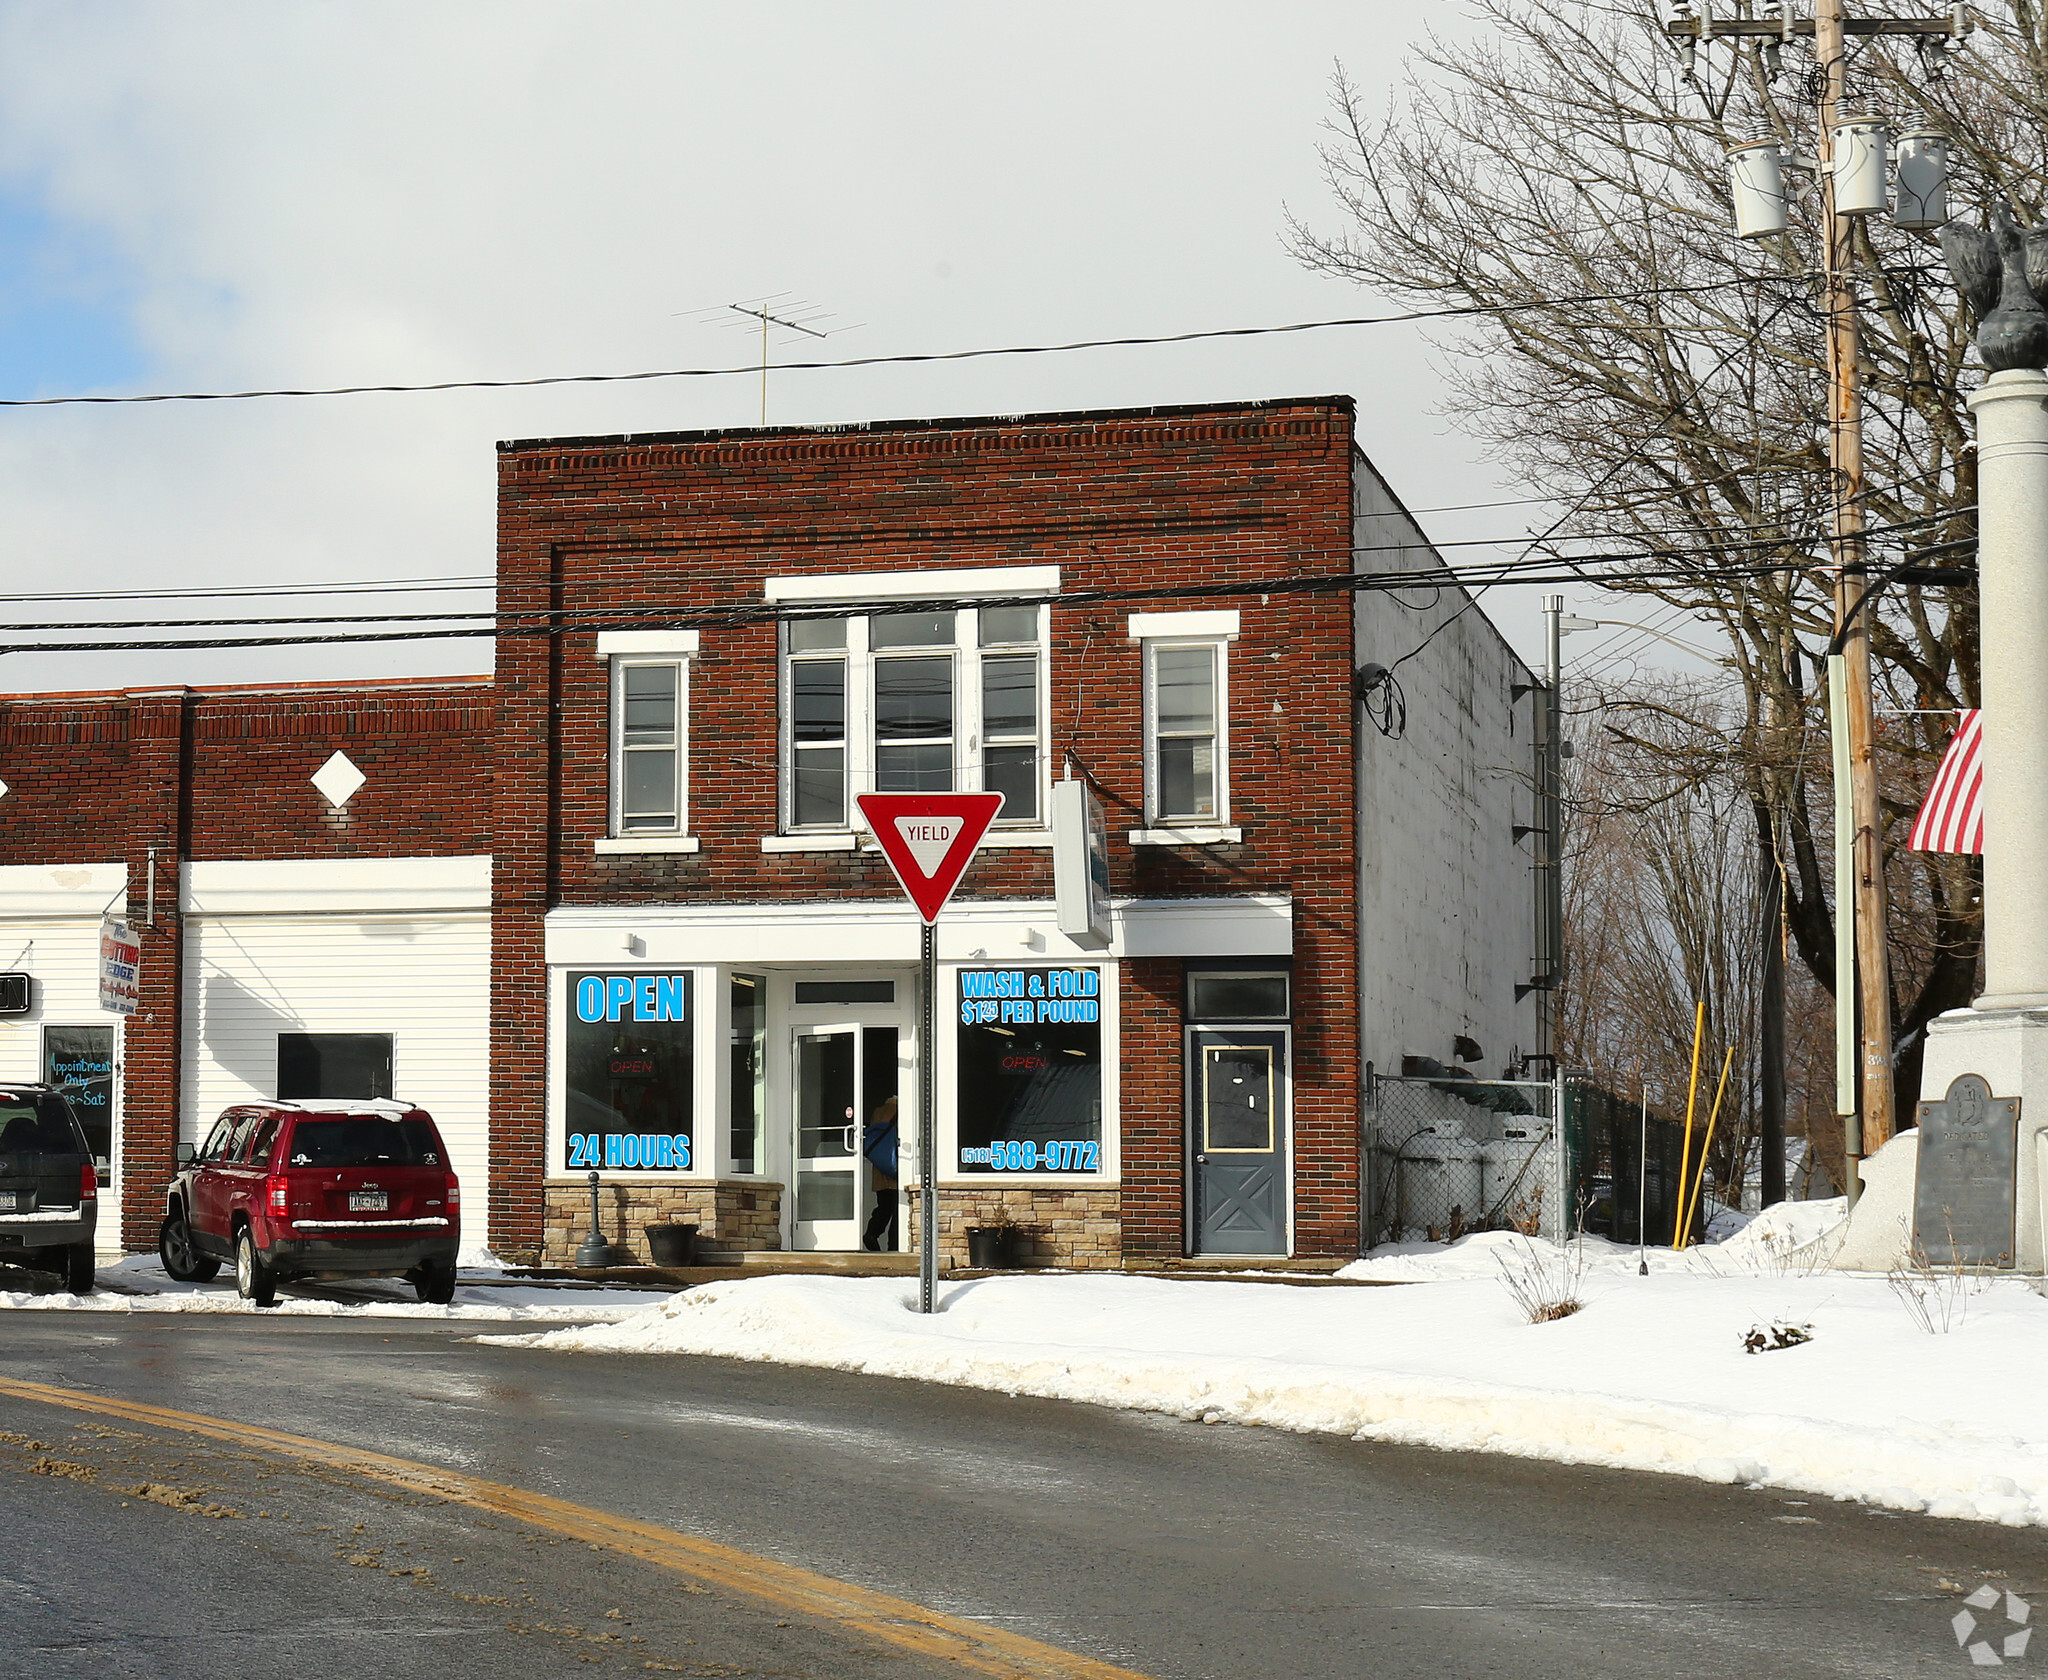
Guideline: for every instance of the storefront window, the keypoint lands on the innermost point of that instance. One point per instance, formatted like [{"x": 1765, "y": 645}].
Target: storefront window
[
  {"x": 79, "y": 1061},
  {"x": 748, "y": 1043},
  {"x": 1030, "y": 1070},
  {"x": 631, "y": 1073}
]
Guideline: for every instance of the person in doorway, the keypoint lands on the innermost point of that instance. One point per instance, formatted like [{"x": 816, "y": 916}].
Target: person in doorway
[{"x": 878, "y": 1144}]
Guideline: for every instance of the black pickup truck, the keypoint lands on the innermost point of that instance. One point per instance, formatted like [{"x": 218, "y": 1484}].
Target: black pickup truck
[{"x": 49, "y": 1191}]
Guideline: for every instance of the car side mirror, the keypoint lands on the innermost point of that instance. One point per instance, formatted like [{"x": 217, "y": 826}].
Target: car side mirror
[{"x": 184, "y": 1154}]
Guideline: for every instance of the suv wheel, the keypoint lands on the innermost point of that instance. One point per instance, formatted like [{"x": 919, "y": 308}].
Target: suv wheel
[
  {"x": 78, "y": 1268},
  {"x": 254, "y": 1281},
  {"x": 435, "y": 1282},
  {"x": 180, "y": 1255}
]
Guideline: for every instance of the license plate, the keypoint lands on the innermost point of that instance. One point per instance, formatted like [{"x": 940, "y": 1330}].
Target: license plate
[
  {"x": 368, "y": 1201},
  {"x": 11, "y": 1201}
]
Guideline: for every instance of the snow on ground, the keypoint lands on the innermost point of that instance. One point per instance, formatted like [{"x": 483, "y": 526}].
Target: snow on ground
[
  {"x": 1651, "y": 1375},
  {"x": 1770, "y": 1242},
  {"x": 139, "y": 1284}
]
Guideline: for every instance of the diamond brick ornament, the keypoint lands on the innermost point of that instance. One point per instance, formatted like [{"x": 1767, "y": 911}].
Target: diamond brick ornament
[{"x": 338, "y": 780}]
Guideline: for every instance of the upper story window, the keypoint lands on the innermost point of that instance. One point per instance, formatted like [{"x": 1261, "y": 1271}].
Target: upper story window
[
  {"x": 914, "y": 702},
  {"x": 1187, "y": 731},
  {"x": 650, "y": 693}
]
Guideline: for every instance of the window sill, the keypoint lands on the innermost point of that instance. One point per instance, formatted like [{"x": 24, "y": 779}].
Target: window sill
[
  {"x": 650, "y": 843},
  {"x": 1185, "y": 836},
  {"x": 807, "y": 842}
]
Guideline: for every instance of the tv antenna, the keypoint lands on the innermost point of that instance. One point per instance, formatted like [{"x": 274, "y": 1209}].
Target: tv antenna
[{"x": 791, "y": 313}]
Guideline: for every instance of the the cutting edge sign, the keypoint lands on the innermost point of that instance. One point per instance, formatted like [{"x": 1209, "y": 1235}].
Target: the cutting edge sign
[{"x": 120, "y": 967}]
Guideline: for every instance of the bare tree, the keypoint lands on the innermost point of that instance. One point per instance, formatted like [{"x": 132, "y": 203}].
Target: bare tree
[
  {"x": 1666, "y": 382},
  {"x": 1667, "y": 909}
]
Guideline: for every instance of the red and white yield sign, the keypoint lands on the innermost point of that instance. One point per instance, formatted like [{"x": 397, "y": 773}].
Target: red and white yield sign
[{"x": 929, "y": 839}]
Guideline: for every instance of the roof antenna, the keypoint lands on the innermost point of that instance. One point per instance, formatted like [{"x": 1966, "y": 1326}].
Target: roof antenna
[{"x": 793, "y": 314}]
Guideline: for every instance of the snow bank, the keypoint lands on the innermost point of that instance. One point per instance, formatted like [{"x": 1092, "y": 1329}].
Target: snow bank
[
  {"x": 139, "y": 1284},
  {"x": 1650, "y": 1376}
]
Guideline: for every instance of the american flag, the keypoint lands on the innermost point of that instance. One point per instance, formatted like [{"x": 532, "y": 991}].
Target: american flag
[{"x": 1952, "y": 816}]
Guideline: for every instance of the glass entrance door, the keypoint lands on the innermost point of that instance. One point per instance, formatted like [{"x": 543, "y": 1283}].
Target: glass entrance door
[{"x": 830, "y": 1172}]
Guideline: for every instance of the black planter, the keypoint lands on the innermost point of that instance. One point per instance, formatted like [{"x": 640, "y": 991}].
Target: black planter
[
  {"x": 672, "y": 1245},
  {"x": 993, "y": 1248}
]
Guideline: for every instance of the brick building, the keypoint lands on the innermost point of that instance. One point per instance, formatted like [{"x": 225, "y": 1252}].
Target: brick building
[{"x": 615, "y": 909}]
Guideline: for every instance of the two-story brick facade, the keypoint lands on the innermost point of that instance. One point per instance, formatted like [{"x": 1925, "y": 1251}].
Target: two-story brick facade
[{"x": 702, "y": 975}]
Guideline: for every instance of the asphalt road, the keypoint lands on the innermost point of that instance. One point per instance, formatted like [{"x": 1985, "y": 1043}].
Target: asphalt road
[{"x": 1171, "y": 1548}]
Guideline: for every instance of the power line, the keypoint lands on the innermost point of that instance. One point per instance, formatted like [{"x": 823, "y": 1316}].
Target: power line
[
  {"x": 1461, "y": 310},
  {"x": 741, "y": 614},
  {"x": 1482, "y": 574}
]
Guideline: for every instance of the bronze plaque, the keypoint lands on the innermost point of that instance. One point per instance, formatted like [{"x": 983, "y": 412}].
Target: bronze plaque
[{"x": 1963, "y": 1187}]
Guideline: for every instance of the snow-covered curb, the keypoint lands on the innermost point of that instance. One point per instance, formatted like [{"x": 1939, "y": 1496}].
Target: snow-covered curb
[
  {"x": 138, "y": 1285},
  {"x": 1650, "y": 1376}
]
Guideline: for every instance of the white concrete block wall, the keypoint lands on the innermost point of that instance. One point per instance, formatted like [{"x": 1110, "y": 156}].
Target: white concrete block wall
[
  {"x": 1446, "y": 896},
  {"x": 423, "y": 979}
]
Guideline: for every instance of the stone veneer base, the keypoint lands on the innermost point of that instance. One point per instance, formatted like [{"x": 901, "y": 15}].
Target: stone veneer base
[{"x": 1078, "y": 1228}]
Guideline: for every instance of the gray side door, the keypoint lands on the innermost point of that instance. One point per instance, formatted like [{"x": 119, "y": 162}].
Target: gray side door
[{"x": 1238, "y": 1140}]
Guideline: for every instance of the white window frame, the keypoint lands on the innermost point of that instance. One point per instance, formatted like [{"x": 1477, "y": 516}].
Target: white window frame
[
  {"x": 1155, "y": 632},
  {"x": 946, "y": 1071},
  {"x": 625, "y": 650},
  {"x": 862, "y": 662}
]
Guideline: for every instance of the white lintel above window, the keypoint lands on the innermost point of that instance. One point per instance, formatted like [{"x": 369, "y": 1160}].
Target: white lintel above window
[
  {"x": 676, "y": 644},
  {"x": 888, "y": 586},
  {"x": 1148, "y": 627}
]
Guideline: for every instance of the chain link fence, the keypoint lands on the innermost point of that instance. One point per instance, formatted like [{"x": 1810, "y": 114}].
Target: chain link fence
[{"x": 1444, "y": 1156}]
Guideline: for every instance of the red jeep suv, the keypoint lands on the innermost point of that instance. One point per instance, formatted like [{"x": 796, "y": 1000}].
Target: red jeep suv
[{"x": 315, "y": 1189}]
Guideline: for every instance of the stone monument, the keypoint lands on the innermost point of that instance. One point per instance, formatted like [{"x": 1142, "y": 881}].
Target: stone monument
[
  {"x": 2002, "y": 1039},
  {"x": 1966, "y": 1178}
]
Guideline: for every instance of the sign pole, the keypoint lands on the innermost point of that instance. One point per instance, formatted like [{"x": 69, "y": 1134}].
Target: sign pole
[
  {"x": 929, "y": 839},
  {"x": 927, "y": 1119}
]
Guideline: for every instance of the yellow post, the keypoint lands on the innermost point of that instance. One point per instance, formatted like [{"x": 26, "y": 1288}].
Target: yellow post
[
  {"x": 1700, "y": 1178},
  {"x": 1692, "y": 1091}
]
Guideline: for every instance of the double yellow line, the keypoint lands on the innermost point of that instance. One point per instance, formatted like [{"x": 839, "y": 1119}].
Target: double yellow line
[{"x": 972, "y": 1646}]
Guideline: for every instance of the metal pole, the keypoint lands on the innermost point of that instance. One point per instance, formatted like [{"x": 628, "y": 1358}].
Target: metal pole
[
  {"x": 1552, "y": 818},
  {"x": 1872, "y": 974},
  {"x": 1845, "y": 930},
  {"x": 1771, "y": 1085},
  {"x": 927, "y": 1120},
  {"x": 1643, "y": 1186}
]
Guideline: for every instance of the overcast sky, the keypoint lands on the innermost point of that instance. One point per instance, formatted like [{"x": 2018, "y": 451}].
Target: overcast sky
[{"x": 220, "y": 196}]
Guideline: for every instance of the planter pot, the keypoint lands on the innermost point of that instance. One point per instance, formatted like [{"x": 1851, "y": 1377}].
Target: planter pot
[
  {"x": 993, "y": 1248},
  {"x": 672, "y": 1245}
]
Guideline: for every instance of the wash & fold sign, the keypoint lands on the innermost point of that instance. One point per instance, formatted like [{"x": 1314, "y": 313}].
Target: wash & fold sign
[{"x": 1029, "y": 996}]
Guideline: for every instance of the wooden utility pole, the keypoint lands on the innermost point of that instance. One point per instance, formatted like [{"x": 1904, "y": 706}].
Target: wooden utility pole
[
  {"x": 1864, "y": 983},
  {"x": 1872, "y": 979}
]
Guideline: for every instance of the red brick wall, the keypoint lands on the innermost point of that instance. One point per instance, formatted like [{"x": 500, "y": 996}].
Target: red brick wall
[
  {"x": 591, "y": 527},
  {"x": 217, "y": 775}
]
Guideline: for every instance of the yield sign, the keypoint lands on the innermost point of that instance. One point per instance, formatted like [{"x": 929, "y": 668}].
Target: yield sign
[{"x": 929, "y": 839}]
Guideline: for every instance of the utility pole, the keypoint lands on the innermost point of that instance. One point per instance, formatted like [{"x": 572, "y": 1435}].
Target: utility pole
[
  {"x": 1872, "y": 979},
  {"x": 1847, "y": 148}
]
